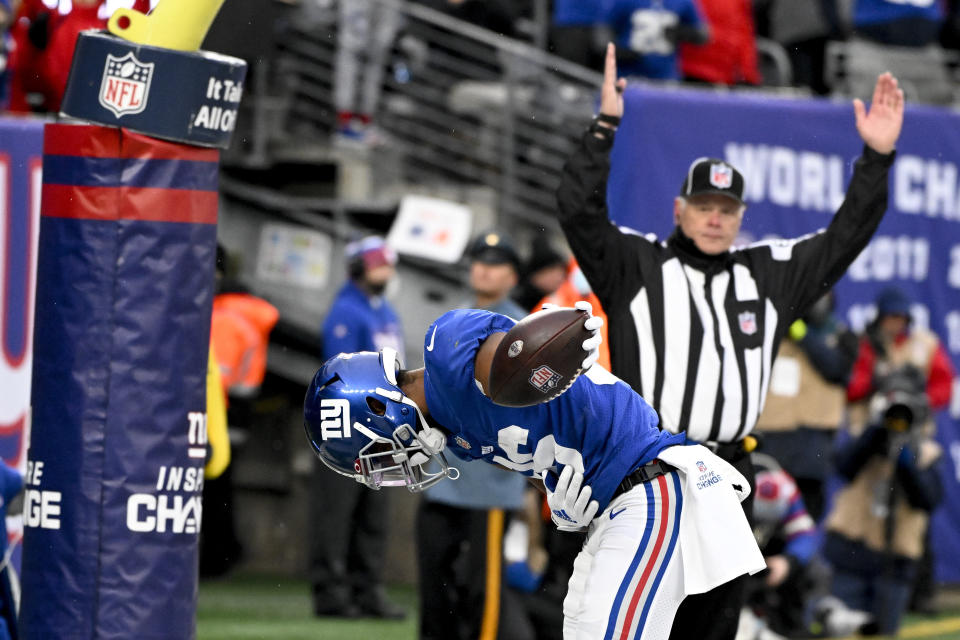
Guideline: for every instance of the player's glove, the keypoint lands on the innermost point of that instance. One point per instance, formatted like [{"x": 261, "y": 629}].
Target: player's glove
[
  {"x": 593, "y": 323},
  {"x": 571, "y": 508},
  {"x": 592, "y": 344}
]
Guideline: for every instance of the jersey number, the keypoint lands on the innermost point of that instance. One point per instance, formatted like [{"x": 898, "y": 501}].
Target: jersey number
[
  {"x": 546, "y": 454},
  {"x": 648, "y": 33}
]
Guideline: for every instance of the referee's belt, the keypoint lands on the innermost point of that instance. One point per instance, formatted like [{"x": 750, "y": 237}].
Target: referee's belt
[
  {"x": 732, "y": 451},
  {"x": 653, "y": 469}
]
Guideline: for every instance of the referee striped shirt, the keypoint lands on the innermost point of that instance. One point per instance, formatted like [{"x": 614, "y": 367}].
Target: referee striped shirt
[{"x": 696, "y": 334}]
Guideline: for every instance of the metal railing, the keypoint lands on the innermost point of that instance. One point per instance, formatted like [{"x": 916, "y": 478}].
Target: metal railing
[{"x": 459, "y": 105}]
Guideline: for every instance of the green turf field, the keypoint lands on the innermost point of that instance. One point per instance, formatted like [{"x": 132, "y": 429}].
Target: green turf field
[{"x": 248, "y": 606}]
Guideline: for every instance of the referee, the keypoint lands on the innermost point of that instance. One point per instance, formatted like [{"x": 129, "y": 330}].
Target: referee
[{"x": 694, "y": 326}]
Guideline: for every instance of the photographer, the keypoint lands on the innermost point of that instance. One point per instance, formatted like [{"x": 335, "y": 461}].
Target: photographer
[
  {"x": 876, "y": 530},
  {"x": 893, "y": 344},
  {"x": 787, "y": 536}
]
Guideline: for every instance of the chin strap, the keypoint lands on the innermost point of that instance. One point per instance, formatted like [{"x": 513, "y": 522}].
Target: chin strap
[{"x": 432, "y": 440}]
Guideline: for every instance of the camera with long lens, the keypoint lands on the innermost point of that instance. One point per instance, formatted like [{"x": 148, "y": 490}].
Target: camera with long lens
[{"x": 901, "y": 399}]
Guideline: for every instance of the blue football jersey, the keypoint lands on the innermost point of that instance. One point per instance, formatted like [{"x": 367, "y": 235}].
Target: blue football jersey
[
  {"x": 642, "y": 26},
  {"x": 600, "y": 426}
]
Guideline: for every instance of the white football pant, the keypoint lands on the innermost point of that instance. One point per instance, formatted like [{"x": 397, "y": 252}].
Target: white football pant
[{"x": 627, "y": 581}]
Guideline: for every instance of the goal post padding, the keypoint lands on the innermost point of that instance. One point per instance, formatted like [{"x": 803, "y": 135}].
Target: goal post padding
[{"x": 115, "y": 466}]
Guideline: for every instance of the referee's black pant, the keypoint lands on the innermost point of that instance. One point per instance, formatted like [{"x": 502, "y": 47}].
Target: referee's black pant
[{"x": 715, "y": 615}]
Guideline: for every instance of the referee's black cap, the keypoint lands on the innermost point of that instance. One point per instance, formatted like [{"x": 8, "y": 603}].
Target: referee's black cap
[{"x": 712, "y": 175}]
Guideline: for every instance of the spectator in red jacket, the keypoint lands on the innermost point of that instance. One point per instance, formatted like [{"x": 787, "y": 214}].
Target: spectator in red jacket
[
  {"x": 44, "y": 35},
  {"x": 730, "y": 57}
]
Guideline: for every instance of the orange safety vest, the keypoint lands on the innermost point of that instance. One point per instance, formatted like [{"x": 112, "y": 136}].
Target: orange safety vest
[{"x": 240, "y": 332}]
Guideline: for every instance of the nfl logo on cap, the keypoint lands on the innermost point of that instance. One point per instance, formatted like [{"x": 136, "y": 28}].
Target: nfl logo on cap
[
  {"x": 721, "y": 176},
  {"x": 712, "y": 176}
]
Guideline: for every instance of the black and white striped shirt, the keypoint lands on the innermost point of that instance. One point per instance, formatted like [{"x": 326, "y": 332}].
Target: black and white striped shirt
[{"x": 694, "y": 334}]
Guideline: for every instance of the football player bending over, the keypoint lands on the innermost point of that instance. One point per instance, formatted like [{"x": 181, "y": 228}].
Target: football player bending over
[{"x": 662, "y": 514}]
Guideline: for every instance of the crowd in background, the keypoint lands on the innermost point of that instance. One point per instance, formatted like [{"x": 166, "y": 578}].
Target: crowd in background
[
  {"x": 698, "y": 41},
  {"x": 843, "y": 493}
]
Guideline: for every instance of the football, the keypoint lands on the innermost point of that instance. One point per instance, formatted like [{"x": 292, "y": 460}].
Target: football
[{"x": 538, "y": 358}]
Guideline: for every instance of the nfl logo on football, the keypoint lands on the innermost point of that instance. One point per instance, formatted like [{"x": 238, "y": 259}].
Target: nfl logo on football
[
  {"x": 125, "y": 86},
  {"x": 721, "y": 176},
  {"x": 544, "y": 378}
]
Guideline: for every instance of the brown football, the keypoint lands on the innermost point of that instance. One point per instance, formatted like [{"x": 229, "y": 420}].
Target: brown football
[{"x": 538, "y": 358}]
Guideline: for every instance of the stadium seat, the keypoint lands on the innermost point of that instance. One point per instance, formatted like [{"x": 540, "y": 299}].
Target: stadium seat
[{"x": 926, "y": 74}]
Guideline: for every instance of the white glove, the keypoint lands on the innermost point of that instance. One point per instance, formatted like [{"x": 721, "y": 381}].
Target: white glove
[
  {"x": 571, "y": 508},
  {"x": 592, "y": 344}
]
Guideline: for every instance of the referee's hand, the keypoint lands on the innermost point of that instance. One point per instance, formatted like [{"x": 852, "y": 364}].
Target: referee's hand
[
  {"x": 611, "y": 94},
  {"x": 880, "y": 126}
]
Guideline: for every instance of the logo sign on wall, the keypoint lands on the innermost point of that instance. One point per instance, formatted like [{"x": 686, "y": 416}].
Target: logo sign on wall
[
  {"x": 294, "y": 256},
  {"x": 431, "y": 228},
  {"x": 185, "y": 96}
]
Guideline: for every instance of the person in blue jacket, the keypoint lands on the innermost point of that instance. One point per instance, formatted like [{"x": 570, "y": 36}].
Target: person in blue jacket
[
  {"x": 351, "y": 525},
  {"x": 460, "y": 523}
]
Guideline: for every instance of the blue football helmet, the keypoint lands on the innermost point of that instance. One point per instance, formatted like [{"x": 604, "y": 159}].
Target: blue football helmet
[{"x": 361, "y": 425}]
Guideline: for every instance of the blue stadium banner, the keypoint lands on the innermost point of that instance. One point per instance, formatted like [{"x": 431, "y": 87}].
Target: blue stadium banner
[
  {"x": 21, "y": 146},
  {"x": 186, "y": 96},
  {"x": 115, "y": 465},
  {"x": 21, "y": 149},
  {"x": 797, "y": 157}
]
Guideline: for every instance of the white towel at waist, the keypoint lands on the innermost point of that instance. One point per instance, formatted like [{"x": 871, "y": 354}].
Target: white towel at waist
[{"x": 715, "y": 538}]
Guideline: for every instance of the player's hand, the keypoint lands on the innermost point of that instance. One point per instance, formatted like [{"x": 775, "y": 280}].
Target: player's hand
[
  {"x": 880, "y": 127},
  {"x": 571, "y": 508},
  {"x": 611, "y": 93},
  {"x": 779, "y": 568},
  {"x": 592, "y": 344}
]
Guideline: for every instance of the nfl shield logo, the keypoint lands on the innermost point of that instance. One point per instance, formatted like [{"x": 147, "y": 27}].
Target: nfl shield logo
[
  {"x": 748, "y": 322},
  {"x": 701, "y": 467},
  {"x": 721, "y": 176},
  {"x": 544, "y": 378},
  {"x": 125, "y": 85}
]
